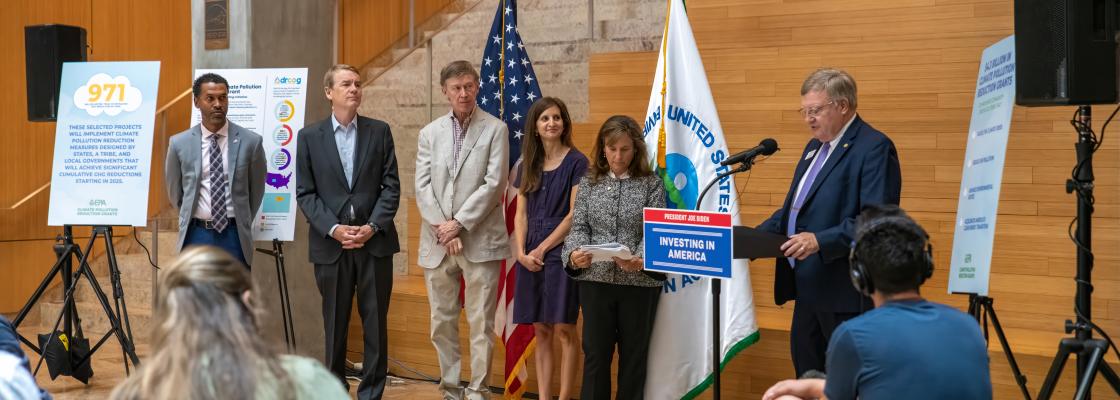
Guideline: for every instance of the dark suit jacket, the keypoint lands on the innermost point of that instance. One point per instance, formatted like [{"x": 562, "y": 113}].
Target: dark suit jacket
[
  {"x": 863, "y": 169},
  {"x": 323, "y": 194}
]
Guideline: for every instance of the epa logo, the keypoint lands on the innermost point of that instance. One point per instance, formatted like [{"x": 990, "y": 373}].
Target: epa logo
[
  {"x": 97, "y": 203},
  {"x": 680, "y": 171}
]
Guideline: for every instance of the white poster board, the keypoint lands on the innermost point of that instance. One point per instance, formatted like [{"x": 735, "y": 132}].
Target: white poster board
[
  {"x": 270, "y": 102},
  {"x": 103, "y": 143},
  {"x": 974, "y": 236}
]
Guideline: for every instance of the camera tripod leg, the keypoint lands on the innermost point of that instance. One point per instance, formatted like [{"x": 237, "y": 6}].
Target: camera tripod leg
[
  {"x": 1020, "y": 379},
  {"x": 118, "y": 289},
  {"x": 1096, "y": 354},
  {"x": 63, "y": 258},
  {"x": 1056, "y": 368},
  {"x": 67, "y": 299},
  {"x": 114, "y": 322},
  {"x": 1110, "y": 376}
]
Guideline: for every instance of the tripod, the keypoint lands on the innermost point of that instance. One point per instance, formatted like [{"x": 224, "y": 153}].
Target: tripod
[
  {"x": 277, "y": 253},
  {"x": 980, "y": 307},
  {"x": 1090, "y": 352},
  {"x": 65, "y": 250}
]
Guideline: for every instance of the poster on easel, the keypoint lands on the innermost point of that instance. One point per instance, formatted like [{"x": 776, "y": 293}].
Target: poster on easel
[
  {"x": 984, "y": 156},
  {"x": 269, "y": 102},
  {"x": 103, "y": 143}
]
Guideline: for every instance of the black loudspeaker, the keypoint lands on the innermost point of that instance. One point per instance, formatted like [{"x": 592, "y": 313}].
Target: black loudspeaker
[
  {"x": 47, "y": 47},
  {"x": 1065, "y": 52}
]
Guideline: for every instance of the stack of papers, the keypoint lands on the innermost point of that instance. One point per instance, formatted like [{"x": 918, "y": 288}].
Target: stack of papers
[{"x": 604, "y": 252}]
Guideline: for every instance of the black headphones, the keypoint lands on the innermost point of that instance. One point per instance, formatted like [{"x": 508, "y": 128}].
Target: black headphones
[{"x": 861, "y": 279}]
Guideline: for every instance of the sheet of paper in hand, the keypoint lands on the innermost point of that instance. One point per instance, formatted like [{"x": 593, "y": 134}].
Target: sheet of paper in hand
[{"x": 604, "y": 252}]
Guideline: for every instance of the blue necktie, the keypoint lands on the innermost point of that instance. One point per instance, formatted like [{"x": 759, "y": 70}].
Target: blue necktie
[{"x": 795, "y": 208}]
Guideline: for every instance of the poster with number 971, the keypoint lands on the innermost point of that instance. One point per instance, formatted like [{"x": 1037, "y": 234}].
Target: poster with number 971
[{"x": 103, "y": 143}]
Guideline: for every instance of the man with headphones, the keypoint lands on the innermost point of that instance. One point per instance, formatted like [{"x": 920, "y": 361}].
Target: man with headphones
[{"x": 907, "y": 347}]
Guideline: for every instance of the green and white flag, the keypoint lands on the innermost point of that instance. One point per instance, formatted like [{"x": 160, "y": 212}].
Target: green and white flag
[{"x": 686, "y": 143}]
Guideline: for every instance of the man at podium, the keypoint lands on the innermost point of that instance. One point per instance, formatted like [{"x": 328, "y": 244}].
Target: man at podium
[{"x": 846, "y": 165}]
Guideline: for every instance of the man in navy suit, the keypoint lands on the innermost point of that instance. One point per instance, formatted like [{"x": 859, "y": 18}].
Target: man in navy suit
[{"x": 846, "y": 165}]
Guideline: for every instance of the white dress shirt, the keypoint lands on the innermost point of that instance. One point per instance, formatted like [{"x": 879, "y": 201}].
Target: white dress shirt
[{"x": 202, "y": 208}]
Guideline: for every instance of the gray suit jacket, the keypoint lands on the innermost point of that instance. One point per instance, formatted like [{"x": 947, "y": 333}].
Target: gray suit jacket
[
  {"x": 183, "y": 176},
  {"x": 469, "y": 191}
]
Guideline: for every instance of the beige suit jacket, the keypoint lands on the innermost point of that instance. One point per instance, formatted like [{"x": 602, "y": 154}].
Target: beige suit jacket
[{"x": 469, "y": 191}]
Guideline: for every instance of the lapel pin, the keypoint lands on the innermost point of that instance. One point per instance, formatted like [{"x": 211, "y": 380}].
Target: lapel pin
[
  {"x": 845, "y": 145},
  {"x": 809, "y": 154}
]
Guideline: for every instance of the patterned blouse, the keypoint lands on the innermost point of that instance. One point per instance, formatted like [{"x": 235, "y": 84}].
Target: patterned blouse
[{"x": 611, "y": 211}]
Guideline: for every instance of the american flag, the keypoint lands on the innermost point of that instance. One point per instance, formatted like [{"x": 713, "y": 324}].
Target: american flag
[{"x": 508, "y": 87}]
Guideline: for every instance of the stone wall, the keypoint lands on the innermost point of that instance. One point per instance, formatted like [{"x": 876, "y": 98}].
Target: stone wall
[
  {"x": 559, "y": 41},
  {"x": 280, "y": 34}
]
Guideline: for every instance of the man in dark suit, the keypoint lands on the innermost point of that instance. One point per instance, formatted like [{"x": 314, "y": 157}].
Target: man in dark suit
[
  {"x": 348, "y": 188},
  {"x": 845, "y": 166}
]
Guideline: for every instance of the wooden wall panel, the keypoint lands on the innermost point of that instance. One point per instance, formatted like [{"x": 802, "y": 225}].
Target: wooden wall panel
[
  {"x": 117, "y": 30},
  {"x": 368, "y": 27},
  {"x": 915, "y": 63}
]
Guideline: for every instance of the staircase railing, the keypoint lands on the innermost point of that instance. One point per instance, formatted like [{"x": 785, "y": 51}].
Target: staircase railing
[{"x": 405, "y": 46}]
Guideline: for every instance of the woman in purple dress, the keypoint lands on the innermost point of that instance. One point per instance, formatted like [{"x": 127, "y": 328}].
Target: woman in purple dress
[{"x": 545, "y": 296}]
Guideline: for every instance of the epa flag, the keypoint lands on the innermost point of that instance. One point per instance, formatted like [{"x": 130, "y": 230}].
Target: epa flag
[
  {"x": 507, "y": 88},
  {"x": 683, "y": 132}
]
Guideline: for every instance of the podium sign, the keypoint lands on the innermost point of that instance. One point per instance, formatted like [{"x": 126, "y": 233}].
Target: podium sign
[{"x": 688, "y": 242}]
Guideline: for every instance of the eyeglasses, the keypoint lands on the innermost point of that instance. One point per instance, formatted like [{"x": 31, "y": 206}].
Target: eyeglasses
[
  {"x": 456, "y": 89},
  {"x": 813, "y": 111}
]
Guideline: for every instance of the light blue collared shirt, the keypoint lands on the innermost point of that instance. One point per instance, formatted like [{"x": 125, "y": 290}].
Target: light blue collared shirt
[{"x": 345, "y": 137}]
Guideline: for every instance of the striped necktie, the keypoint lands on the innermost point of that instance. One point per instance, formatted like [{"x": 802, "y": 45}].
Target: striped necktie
[{"x": 218, "y": 186}]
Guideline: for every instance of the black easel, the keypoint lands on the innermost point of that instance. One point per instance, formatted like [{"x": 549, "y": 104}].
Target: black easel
[
  {"x": 277, "y": 253},
  {"x": 980, "y": 307},
  {"x": 66, "y": 248},
  {"x": 1090, "y": 352},
  {"x": 717, "y": 343}
]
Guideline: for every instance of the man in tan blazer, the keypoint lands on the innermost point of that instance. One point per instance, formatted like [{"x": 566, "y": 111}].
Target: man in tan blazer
[{"x": 462, "y": 165}]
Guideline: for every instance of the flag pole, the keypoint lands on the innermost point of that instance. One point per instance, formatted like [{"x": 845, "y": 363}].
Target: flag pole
[
  {"x": 501, "y": 69},
  {"x": 664, "y": 78}
]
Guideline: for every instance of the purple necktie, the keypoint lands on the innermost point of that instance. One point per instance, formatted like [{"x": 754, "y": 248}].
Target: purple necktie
[{"x": 795, "y": 208}]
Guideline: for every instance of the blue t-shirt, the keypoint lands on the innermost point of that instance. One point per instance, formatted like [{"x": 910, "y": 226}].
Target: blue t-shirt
[{"x": 911, "y": 349}]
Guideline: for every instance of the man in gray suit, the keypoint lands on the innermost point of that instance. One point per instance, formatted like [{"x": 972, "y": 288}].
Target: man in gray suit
[
  {"x": 215, "y": 175},
  {"x": 462, "y": 164}
]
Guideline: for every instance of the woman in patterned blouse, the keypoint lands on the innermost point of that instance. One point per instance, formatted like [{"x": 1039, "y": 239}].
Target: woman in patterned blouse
[{"x": 618, "y": 298}]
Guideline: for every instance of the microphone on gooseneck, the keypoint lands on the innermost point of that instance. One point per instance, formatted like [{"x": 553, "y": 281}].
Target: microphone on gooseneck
[{"x": 766, "y": 147}]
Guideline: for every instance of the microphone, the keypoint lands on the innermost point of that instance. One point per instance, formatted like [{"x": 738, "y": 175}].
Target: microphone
[{"x": 766, "y": 147}]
